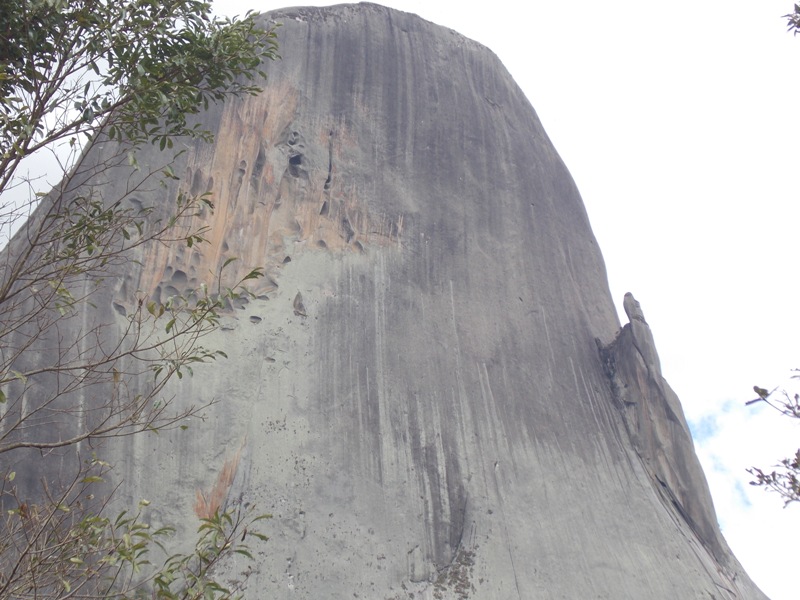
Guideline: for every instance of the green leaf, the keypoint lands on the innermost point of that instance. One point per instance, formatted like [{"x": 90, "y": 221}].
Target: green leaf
[
  {"x": 262, "y": 517},
  {"x": 19, "y": 376},
  {"x": 254, "y": 274}
]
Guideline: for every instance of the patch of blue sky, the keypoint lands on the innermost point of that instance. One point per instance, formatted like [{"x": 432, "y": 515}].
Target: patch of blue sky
[
  {"x": 741, "y": 495},
  {"x": 704, "y": 428}
]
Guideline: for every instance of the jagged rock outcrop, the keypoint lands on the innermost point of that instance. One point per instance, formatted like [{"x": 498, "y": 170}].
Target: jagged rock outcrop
[
  {"x": 416, "y": 392},
  {"x": 657, "y": 427}
]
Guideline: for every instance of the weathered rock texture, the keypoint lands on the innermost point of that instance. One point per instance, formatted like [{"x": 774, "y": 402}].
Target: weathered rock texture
[{"x": 431, "y": 393}]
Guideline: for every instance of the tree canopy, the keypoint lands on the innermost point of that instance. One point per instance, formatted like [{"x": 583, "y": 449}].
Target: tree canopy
[{"x": 125, "y": 74}]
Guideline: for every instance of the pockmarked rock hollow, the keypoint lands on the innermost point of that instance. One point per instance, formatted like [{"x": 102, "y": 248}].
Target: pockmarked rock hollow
[{"x": 430, "y": 390}]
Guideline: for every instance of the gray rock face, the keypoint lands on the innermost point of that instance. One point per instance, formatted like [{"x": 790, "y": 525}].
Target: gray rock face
[
  {"x": 431, "y": 393},
  {"x": 657, "y": 427}
]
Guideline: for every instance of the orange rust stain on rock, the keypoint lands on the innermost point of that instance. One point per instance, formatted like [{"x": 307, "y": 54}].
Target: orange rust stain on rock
[{"x": 277, "y": 187}]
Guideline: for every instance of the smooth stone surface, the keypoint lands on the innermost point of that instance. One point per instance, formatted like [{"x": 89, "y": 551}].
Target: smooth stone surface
[{"x": 418, "y": 393}]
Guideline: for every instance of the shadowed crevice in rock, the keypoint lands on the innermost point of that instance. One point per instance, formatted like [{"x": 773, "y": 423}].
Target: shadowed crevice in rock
[{"x": 658, "y": 429}]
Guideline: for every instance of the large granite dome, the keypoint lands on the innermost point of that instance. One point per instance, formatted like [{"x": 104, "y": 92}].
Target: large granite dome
[{"x": 431, "y": 391}]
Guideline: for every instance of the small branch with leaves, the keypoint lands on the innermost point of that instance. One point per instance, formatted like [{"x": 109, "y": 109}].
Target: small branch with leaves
[{"x": 784, "y": 478}]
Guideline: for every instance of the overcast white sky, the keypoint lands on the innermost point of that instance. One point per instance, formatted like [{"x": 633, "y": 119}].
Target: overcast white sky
[{"x": 680, "y": 123}]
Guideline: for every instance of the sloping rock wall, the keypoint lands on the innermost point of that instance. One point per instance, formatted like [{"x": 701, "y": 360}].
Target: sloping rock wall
[{"x": 416, "y": 392}]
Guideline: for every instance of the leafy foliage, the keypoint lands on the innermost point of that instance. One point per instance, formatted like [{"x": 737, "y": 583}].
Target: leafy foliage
[
  {"x": 122, "y": 74},
  {"x": 785, "y": 476},
  {"x": 139, "y": 67},
  {"x": 63, "y": 549},
  {"x": 793, "y": 20}
]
